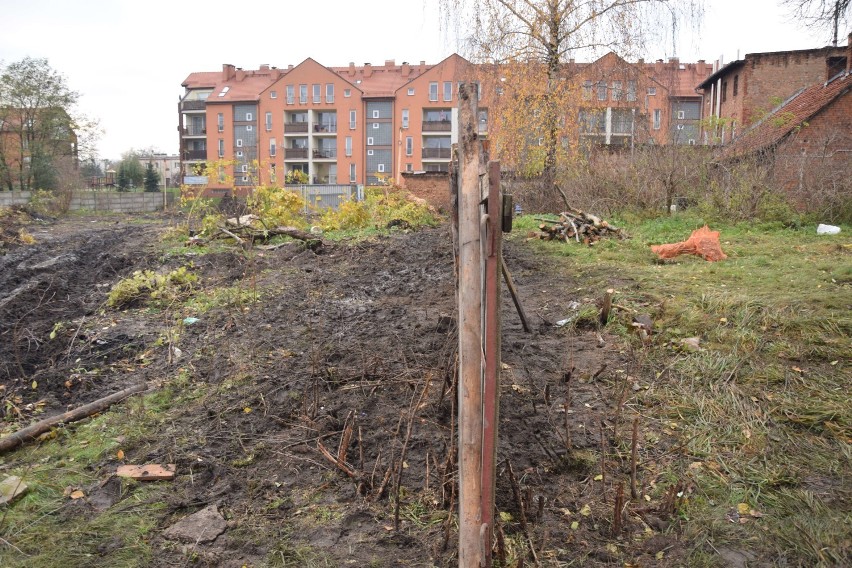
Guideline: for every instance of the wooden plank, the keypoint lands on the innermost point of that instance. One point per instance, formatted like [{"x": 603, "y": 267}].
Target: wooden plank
[{"x": 147, "y": 472}]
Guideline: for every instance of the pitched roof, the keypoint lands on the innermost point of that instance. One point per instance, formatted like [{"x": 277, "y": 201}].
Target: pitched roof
[{"x": 791, "y": 115}]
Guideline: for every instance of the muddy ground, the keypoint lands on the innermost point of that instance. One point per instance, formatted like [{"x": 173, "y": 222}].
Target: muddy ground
[{"x": 355, "y": 339}]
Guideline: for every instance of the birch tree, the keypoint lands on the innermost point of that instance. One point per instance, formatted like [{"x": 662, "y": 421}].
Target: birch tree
[
  {"x": 822, "y": 14},
  {"x": 535, "y": 38}
]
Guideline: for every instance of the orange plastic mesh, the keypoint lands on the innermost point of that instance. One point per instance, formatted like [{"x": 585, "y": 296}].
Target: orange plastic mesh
[{"x": 702, "y": 242}]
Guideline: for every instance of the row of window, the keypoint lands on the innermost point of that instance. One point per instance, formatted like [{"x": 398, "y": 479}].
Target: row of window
[
  {"x": 447, "y": 90},
  {"x": 316, "y": 92},
  {"x": 616, "y": 90}
]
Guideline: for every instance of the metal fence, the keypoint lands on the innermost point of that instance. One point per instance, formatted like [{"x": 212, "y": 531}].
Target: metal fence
[{"x": 327, "y": 196}]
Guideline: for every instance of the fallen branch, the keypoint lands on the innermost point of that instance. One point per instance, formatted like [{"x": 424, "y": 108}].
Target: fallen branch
[{"x": 31, "y": 432}]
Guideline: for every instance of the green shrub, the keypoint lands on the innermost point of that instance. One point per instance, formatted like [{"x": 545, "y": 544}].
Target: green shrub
[{"x": 162, "y": 289}]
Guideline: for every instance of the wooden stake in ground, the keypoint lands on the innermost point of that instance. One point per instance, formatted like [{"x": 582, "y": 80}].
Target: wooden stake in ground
[
  {"x": 470, "y": 335},
  {"x": 24, "y": 435}
]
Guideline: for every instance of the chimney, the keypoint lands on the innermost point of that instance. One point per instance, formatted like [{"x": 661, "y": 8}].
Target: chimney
[
  {"x": 422, "y": 67},
  {"x": 368, "y": 70},
  {"x": 390, "y": 63},
  {"x": 227, "y": 72},
  {"x": 674, "y": 60},
  {"x": 641, "y": 62},
  {"x": 290, "y": 67},
  {"x": 240, "y": 74},
  {"x": 264, "y": 67},
  {"x": 406, "y": 69},
  {"x": 351, "y": 69}
]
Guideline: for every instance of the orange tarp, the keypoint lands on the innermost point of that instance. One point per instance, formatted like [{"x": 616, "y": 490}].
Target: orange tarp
[{"x": 702, "y": 242}]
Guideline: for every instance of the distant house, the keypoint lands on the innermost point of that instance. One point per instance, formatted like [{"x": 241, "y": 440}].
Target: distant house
[
  {"x": 807, "y": 140},
  {"x": 743, "y": 91}
]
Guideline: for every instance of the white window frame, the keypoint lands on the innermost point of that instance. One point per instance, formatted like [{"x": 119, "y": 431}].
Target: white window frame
[
  {"x": 221, "y": 148},
  {"x": 249, "y": 128},
  {"x": 303, "y": 93},
  {"x": 273, "y": 94},
  {"x": 409, "y": 167},
  {"x": 347, "y": 93},
  {"x": 681, "y": 114},
  {"x": 375, "y": 126},
  {"x": 409, "y": 145},
  {"x": 249, "y": 117},
  {"x": 376, "y": 114},
  {"x": 353, "y": 172},
  {"x": 681, "y": 126},
  {"x": 268, "y": 121},
  {"x": 329, "y": 92},
  {"x": 411, "y": 91},
  {"x": 220, "y": 122},
  {"x": 316, "y": 89},
  {"x": 380, "y": 168},
  {"x": 652, "y": 91},
  {"x": 353, "y": 120},
  {"x": 448, "y": 90},
  {"x": 272, "y": 147},
  {"x": 433, "y": 91},
  {"x": 348, "y": 146},
  {"x": 658, "y": 118},
  {"x": 244, "y": 168},
  {"x": 291, "y": 94},
  {"x": 370, "y": 141},
  {"x": 370, "y": 152},
  {"x": 239, "y": 153},
  {"x": 239, "y": 142},
  {"x": 405, "y": 118}
]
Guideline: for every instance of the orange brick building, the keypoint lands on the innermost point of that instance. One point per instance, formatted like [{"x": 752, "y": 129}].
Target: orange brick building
[{"x": 359, "y": 124}]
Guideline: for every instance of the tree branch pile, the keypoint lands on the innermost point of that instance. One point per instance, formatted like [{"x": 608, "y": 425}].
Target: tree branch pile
[
  {"x": 245, "y": 231},
  {"x": 578, "y": 226}
]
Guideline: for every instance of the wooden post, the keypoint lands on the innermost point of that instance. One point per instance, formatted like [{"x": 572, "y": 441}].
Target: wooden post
[
  {"x": 470, "y": 335},
  {"x": 491, "y": 347}
]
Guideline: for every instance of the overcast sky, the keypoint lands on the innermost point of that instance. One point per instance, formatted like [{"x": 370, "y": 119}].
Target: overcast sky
[{"x": 127, "y": 59}]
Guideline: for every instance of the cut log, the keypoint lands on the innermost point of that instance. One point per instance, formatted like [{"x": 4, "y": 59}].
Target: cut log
[
  {"x": 18, "y": 438},
  {"x": 147, "y": 472}
]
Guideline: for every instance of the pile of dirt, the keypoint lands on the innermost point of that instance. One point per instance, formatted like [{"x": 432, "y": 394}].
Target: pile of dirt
[{"x": 351, "y": 350}]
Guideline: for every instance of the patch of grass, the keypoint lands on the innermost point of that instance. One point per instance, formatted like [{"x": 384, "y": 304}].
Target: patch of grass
[
  {"x": 224, "y": 297},
  {"x": 762, "y": 409},
  {"x": 147, "y": 284}
]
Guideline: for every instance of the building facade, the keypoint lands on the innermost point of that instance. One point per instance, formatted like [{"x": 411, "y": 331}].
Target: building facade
[{"x": 362, "y": 124}]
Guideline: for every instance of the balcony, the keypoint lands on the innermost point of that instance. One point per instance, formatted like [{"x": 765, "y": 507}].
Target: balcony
[
  {"x": 295, "y": 127},
  {"x": 325, "y": 153},
  {"x": 436, "y": 153},
  {"x": 195, "y": 154},
  {"x": 437, "y": 125},
  {"x": 325, "y": 128},
  {"x": 295, "y": 153},
  {"x": 193, "y": 105},
  {"x": 194, "y": 131}
]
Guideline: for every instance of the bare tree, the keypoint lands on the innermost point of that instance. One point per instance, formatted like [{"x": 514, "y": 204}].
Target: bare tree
[
  {"x": 548, "y": 32},
  {"x": 820, "y": 13}
]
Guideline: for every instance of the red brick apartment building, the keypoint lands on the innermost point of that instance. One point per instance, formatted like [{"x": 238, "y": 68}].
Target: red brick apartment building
[
  {"x": 744, "y": 91},
  {"x": 357, "y": 124}
]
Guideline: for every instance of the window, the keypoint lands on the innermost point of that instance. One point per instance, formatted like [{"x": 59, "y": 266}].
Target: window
[
  {"x": 381, "y": 168},
  {"x": 587, "y": 90},
  {"x": 239, "y": 153},
  {"x": 405, "y": 118},
  {"x": 221, "y": 148},
  {"x": 499, "y": 91},
  {"x": 369, "y": 141},
  {"x": 631, "y": 90},
  {"x": 375, "y": 114},
  {"x": 268, "y": 121},
  {"x": 348, "y": 146},
  {"x": 291, "y": 94},
  {"x": 224, "y": 91},
  {"x": 691, "y": 142},
  {"x": 541, "y": 141},
  {"x": 249, "y": 117},
  {"x": 433, "y": 91},
  {"x": 370, "y": 152},
  {"x": 448, "y": 90},
  {"x": 375, "y": 126},
  {"x": 352, "y": 177},
  {"x": 724, "y": 91},
  {"x": 239, "y": 142},
  {"x": 303, "y": 94},
  {"x": 220, "y": 122},
  {"x": 616, "y": 90},
  {"x": 273, "y": 94},
  {"x": 272, "y": 147},
  {"x": 409, "y": 145},
  {"x": 347, "y": 93},
  {"x": 681, "y": 126},
  {"x": 410, "y": 92},
  {"x": 329, "y": 92},
  {"x": 244, "y": 168},
  {"x": 317, "y": 88},
  {"x": 248, "y": 128},
  {"x": 352, "y": 121},
  {"x": 736, "y": 84},
  {"x": 657, "y": 116},
  {"x": 601, "y": 90},
  {"x": 681, "y": 115},
  {"x": 408, "y": 167},
  {"x": 652, "y": 91}
]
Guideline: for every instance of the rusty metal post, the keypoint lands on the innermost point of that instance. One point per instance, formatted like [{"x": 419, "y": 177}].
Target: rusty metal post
[
  {"x": 470, "y": 335},
  {"x": 491, "y": 347}
]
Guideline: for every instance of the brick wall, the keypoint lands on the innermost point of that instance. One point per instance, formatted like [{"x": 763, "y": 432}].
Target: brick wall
[
  {"x": 434, "y": 187},
  {"x": 814, "y": 165}
]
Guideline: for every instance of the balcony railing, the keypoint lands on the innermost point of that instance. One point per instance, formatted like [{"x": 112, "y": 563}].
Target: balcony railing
[
  {"x": 195, "y": 131},
  {"x": 295, "y": 153},
  {"x": 325, "y": 153},
  {"x": 437, "y": 125},
  {"x": 195, "y": 154},
  {"x": 436, "y": 153},
  {"x": 295, "y": 127},
  {"x": 325, "y": 127},
  {"x": 193, "y": 105}
]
